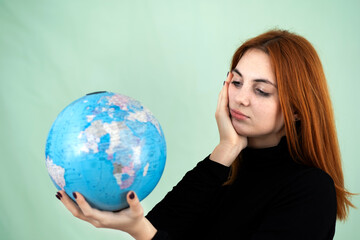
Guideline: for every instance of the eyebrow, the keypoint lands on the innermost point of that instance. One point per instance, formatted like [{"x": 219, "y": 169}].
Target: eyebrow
[{"x": 255, "y": 80}]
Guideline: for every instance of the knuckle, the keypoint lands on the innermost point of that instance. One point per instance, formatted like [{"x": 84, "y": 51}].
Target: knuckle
[
  {"x": 97, "y": 224},
  {"x": 104, "y": 223},
  {"x": 139, "y": 213},
  {"x": 87, "y": 214},
  {"x": 76, "y": 214}
]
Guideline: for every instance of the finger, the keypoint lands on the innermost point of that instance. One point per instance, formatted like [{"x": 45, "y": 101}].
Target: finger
[
  {"x": 92, "y": 215},
  {"x": 223, "y": 95},
  {"x": 71, "y": 205},
  {"x": 134, "y": 204},
  {"x": 229, "y": 77},
  {"x": 220, "y": 97}
]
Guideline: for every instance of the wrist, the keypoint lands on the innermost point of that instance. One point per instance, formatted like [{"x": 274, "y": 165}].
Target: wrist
[
  {"x": 225, "y": 154},
  {"x": 143, "y": 230}
]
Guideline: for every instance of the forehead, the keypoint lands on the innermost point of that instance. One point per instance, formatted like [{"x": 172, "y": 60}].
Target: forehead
[{"x": 256, "y": 64}]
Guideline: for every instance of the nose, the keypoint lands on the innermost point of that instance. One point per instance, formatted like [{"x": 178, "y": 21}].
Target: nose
[{"x": 243, "y": 96}]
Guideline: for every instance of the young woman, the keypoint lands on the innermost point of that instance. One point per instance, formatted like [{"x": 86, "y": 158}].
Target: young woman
[{"x": 276, "y": 172}]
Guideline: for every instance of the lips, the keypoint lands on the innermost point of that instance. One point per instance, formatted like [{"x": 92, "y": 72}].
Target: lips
[{"x": 238, "y": 115}]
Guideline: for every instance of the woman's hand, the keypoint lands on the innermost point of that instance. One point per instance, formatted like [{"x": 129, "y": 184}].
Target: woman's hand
[
  {"x": 231, "y": 143},
  {"x": 130, "y": 220}
]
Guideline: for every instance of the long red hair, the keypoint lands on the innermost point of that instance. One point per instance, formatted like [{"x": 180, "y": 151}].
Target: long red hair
[{"x": 303, "y": 95}]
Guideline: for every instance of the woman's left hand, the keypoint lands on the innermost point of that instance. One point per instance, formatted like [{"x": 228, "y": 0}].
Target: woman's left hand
[{"x": 231, "y": 143}]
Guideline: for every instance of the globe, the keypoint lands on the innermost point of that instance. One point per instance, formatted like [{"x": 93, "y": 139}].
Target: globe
[{"x": 103, "y": 145}]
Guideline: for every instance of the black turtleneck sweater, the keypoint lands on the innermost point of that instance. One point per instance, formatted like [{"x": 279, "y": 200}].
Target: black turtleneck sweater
[{"x": 273, "y": 197}]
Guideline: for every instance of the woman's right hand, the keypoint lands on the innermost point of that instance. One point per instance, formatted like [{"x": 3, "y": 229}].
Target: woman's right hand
[
  {"x": 130, "y": 220},
  {"x": 231, "y": 143}
]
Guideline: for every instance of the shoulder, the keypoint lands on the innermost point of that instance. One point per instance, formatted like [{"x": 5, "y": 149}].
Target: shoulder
[
  {"x": 312, "y": 190},
  {"x": 305, "y": 208},
  {"x": 313, "y": 179}
]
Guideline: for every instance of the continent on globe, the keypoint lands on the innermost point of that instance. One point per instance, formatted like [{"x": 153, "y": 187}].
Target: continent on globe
[
  {"x": 104, "y": 145},
  {"x": 56, "y": 173}
]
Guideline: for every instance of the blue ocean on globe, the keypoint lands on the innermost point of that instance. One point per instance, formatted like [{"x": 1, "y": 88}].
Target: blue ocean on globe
[{"x": 103, "y": 145}]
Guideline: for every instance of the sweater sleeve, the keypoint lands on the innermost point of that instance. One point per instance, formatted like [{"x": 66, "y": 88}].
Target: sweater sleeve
[
  {"x": 304, "y": 210},
  {"x": 185, "y": 208}
]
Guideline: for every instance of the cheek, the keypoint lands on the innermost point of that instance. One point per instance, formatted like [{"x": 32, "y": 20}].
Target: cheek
[
  {"x": 280, "y": 120},
  {"x": 277, "y": 119},
  {"x": 278, "y": 113},
  {"x": 269, "y": 114}
]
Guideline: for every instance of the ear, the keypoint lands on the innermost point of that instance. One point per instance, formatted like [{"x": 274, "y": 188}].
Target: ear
[{"x": 296, "y": 117}]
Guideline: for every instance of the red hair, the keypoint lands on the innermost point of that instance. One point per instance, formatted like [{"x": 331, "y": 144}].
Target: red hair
[{"x": 303, "y": 93}]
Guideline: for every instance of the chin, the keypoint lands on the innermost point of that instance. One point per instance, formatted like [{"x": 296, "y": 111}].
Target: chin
[{"x": 240, "y": 128}]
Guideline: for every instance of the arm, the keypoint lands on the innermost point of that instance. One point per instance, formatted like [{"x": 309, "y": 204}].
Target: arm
[{"x": 188, "y": 207}]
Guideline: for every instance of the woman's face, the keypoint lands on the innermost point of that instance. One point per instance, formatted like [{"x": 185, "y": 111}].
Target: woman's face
[{"x": 254, "y": 102}]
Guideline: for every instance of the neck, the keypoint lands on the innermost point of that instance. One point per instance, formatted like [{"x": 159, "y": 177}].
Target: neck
[{"x": 265, "y": 141}]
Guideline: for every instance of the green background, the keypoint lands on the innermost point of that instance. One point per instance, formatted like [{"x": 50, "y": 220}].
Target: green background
[{"x": 173, "y": 57}]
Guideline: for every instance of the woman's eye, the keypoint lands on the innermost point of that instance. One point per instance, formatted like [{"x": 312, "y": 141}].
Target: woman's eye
[
  {"x": 236, "y": 83},
  {"x": 262, "y": 93}
]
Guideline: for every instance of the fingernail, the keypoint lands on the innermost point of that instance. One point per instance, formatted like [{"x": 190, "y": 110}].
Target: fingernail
[
  {"x": 227, "y": 74},
  {"x": 74, "y": 194},
  {"x": 57, "y": 197},
  {"x": 223, "y": 83},
  {"x": 59, "y": 194},
  {"x": 132, "y": 195}
]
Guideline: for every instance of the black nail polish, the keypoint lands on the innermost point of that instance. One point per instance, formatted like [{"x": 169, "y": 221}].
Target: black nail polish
[
  {"x": 227, "y": 74},
  {"x": 223, "y": 83},
  {"x": 132, "y": 195},
  {"x": 57, "y": 197},
  {"x": 59, "y": 194},
  {"x": 74, "y": 194}
]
